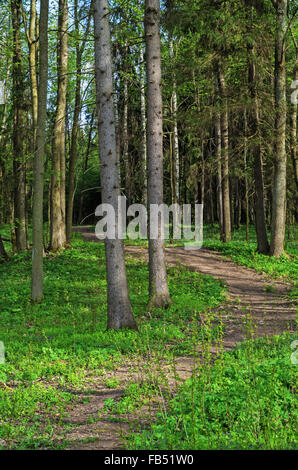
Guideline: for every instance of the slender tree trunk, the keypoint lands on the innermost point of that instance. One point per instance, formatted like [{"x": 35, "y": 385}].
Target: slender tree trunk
[
  {"x": 225, "y": 153},
  {"x": 125, "y": 155},
  {"x": 280, "y": 157},
  {"x": 3, "y": 254},
  {"x": 38, "y": 180},
  {"x": 18, "y": 129},
  {"x": 33, "y": 48},
  {"x": 58, "y": 232},
  {"x": 245, "y": 177},
  {"x": 143, "y": 124},
  {"x": 158, "y": 285},
  {"x": 119, "y": 308},
  {"x": 293, "y": 127},
  {"x": 218, "y": 158},
  {"x": 75, "y": 126},
  {"x": 175, "y": 132},
  {"x": 86, "y": 166},
  {"x": 261, "y": 230}
]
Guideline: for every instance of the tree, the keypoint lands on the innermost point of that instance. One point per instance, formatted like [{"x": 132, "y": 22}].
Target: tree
[
  {"x": 158, "y": 285},
  {"x": 261, "y": 231},
  {"x": 280, "y": 156},
  {"x": 38, "y": 181},
  {"x": 119, "y": 308},
  {"x": 75, "y": 126},
  {"x": 58, "y": 229}
]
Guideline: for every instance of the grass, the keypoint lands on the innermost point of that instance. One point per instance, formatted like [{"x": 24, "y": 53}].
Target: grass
[
  {"x": 245, "y": 399},
  {"x": 56, "y": 347}
]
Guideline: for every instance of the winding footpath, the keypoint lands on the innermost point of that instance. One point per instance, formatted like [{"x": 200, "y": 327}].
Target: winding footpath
[{"x": 252, "y": 300}]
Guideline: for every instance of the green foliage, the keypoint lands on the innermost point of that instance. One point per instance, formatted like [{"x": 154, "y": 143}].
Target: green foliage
[
  {"x": 50, "y": 346},
  {"x": 247, "y": 402}
]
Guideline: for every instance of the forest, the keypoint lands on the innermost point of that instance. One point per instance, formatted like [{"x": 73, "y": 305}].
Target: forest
[{"x": 148, "y": 225}]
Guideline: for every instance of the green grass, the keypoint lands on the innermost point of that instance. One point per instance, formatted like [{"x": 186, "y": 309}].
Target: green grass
[
  {"x": 50, "y": 346},
  {"x": 246, "y": 400}
]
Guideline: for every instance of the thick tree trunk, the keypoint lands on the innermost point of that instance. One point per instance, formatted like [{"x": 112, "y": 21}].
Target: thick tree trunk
[
  {"x": 38, "y": 180},
  {"x": 58, "y": 230},
  {"x": 158, "y": 285},
  {"x": 18, "y": 129},
  {"x": 119, "y": 308},
  {"x": 280, "y": 157}
]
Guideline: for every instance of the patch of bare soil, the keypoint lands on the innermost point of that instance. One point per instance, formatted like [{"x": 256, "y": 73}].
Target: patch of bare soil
[{"x": 254, "y": 305}]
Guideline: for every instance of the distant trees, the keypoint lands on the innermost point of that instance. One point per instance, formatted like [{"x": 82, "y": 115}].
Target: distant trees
[{"x": 217, "y": 132}]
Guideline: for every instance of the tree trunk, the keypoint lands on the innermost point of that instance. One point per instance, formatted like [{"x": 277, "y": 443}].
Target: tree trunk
[
  {"x": 58, "y": 232},
  {"x": 218, "y": 158},
  {"x": 18, "y": 129},
  {"x": 261, "y": 231},
  {"x": 280, "y": 157},
  {"x": 158, "y": 285},
  {"x": 38, "y": 179},
  {"x": 75, "y": 126},
  {"x": 245, "y": 178},
  {"x": 225, "y": 152},
  {"x": 175, "y": 132},
  {"x": 143, "y": 124},
  {"x": 119, "y": 309},
  {"x": 293, "y": 127}
]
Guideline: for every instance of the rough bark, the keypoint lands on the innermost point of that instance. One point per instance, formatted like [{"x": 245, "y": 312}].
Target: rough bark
[
  {"x": 158, "y": 285},
  {"x": 254, "y": 121},
  {"x": 143, "y": 124},
  {"x": 218, "y": 159},
  {"x": 119, "y": 308},
  {"x": 38, "y": 172},
  {"x": 58, "y": 229},
  {"x": 225, "y": 159},
  {"x": 280, "y": 157},
  {"x": 18, "y": 129},
  {"x": 75, "y": 126},
  {"x": 293, "y": 127}
]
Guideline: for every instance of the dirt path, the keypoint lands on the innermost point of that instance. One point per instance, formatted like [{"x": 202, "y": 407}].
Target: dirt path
[{"x": 249, "y": 294}]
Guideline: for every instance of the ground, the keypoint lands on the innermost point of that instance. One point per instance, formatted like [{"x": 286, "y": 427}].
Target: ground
[{"x": 255, "y": 305}]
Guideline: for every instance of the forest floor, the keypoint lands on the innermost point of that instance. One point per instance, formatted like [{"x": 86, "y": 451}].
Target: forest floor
[{"x": 255, "y": 306}]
